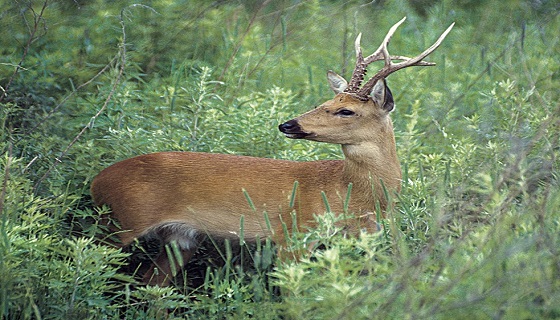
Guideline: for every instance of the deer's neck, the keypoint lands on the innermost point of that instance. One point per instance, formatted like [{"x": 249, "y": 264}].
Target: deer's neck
[{"x": 371, "y": 165}]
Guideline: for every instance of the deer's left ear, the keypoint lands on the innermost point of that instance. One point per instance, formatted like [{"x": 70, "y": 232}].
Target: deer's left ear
[
  {"x": 382, "y": 96},
  {"x": 337, "y": 83}
]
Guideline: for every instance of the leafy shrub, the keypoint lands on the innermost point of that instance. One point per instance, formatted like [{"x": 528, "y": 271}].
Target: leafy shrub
[{"x": 476, "y": 228}]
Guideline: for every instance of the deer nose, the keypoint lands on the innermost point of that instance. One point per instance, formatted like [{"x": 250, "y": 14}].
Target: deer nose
[{"x": 289, "y": 127}]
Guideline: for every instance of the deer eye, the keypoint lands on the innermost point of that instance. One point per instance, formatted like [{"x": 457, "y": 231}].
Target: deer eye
[{"x": 345, "y": 112}]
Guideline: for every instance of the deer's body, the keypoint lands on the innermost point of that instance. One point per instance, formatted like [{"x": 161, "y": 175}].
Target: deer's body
[
  {"x": 181, "y": 195},
  {"x": 174, "y": 187},
  {"x": 212, "y": 204},
  {"x": 195, "y": 188}
]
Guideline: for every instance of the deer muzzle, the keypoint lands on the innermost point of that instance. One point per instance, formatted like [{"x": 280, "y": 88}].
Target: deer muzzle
[{"x": 292, "y": 130}]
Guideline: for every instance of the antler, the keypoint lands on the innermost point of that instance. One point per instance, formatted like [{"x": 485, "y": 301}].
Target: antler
[{"x": 383, "y": 54}]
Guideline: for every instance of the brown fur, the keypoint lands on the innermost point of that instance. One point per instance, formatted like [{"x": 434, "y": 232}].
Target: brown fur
[{"x": 179, "y": 195}]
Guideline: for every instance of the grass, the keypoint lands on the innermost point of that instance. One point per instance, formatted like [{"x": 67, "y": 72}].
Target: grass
[{"x": 474, "y": 234}]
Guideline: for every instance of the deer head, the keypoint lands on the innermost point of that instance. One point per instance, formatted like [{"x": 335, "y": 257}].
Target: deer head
[{"x": 357, "y": 113}]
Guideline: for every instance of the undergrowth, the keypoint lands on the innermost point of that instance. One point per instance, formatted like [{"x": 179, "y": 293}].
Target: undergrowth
[{"x": 475, "y": 230}]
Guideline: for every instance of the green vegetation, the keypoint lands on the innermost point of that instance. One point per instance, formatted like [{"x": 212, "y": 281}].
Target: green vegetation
[{"x": 476, "y": 230}]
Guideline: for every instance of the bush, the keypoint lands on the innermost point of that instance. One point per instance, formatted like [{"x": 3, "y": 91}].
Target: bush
[{"x": 475, "y": 232}]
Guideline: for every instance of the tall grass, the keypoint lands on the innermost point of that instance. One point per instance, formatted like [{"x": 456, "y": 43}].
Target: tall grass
[{"x": 475, "y": 230}]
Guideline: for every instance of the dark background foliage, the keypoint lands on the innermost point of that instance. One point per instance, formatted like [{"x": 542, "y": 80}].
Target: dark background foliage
[{"x": 476, "y": 230}]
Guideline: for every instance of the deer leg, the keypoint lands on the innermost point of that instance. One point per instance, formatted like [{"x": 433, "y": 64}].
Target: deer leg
[
  {"x": 161, "y": 272},
  {"x": 169, "y": 262}
]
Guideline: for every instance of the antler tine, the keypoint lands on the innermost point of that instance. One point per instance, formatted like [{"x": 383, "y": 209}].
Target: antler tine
[
  {"x": 383, "y": 47},
  {"x": 382, "y": 52},
  {"x": 391, "y": 67},
  {"x": 357, "y": 45},
  {"x": 414, "y": 61}
]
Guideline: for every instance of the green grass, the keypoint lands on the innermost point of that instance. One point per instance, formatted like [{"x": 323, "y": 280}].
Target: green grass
[{"x": 476, "y": 229}]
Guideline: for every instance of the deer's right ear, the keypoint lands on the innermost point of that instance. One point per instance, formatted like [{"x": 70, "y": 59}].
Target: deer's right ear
[
  {"x": 383, "y": 96},
  {"x": 337, "y": 83}
]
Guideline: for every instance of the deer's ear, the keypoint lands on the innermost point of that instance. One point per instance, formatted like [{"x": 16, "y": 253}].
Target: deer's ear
[
  {"x": 337, "y": 83},
  {"x": 382, "y": 96}
]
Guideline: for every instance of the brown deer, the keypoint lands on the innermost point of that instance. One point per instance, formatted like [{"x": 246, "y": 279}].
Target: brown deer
[{"x": 179, "y": 196}]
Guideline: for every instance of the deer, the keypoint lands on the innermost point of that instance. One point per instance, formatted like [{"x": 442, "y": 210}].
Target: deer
[{"x": 183, "y": 196}]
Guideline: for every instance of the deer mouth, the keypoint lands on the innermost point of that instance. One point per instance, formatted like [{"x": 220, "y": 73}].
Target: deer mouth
[
  {"x": 292, "y": 130},
  {"x": 299, "y": 135}
]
